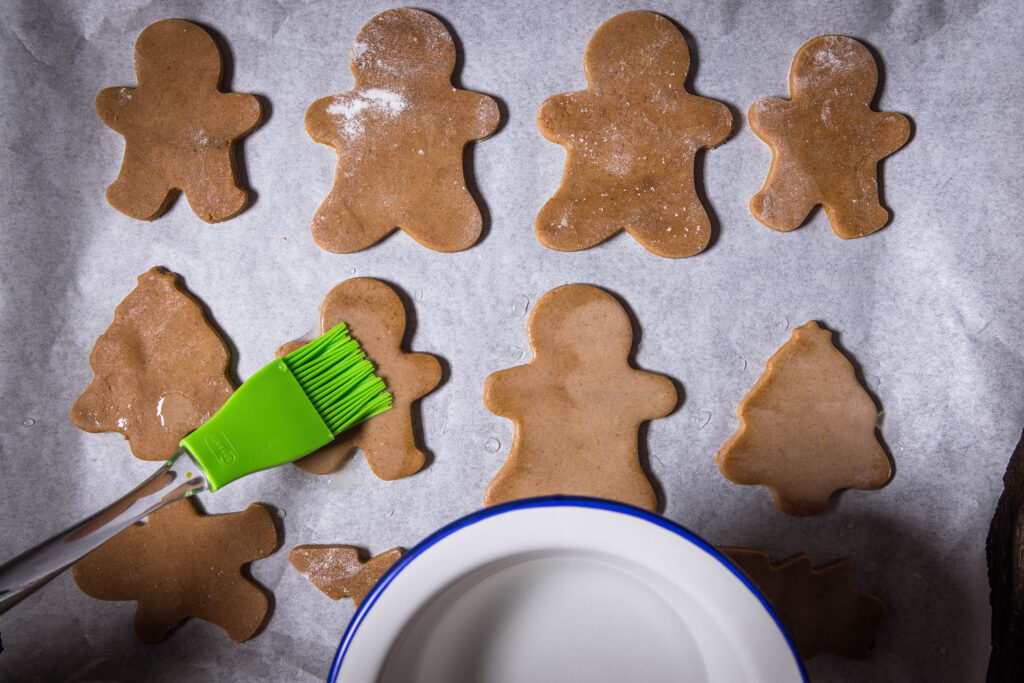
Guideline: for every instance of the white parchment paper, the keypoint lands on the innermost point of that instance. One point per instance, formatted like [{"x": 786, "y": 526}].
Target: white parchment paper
[{"x": 928, "y": 307}]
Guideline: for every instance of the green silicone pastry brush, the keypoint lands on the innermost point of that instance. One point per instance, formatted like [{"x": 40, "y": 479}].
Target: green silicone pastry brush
[{"x": 288, "y": 409}]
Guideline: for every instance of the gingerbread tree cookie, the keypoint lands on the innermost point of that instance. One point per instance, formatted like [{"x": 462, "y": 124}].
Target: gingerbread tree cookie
[
  {"x": 578, "y": 405},
  {"x": 339, "y": 571},
  {"x": 818, "y": 605},
  {"x": 826, "y": 141},
  {"x": 159, "y": 371},
  {"x": 631, "y": 139},
  {"x": 182, "y": 563},
  {"x": 179, "y": 128},
  {"x": 400, "y": 134},
  {"x": 375, "y": 317},
  {"x": 806, "y": 428}
]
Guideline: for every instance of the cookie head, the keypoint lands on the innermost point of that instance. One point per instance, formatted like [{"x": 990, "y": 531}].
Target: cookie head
[
  {"x": 637, "y": 48},
  {"x": 402, "y": 45},
  {"x": 577, "y": 317},
  {"x": 829, "y": 63},
  {"x": 180, "y": 48}
]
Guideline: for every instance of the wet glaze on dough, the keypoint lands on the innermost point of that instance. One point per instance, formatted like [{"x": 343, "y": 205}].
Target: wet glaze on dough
[
  {"x": 631, "y": 139},
  {"x": 179, "y": 129},
  {"x": 400, "y": 134},
  {"x": 339, "y": 572},
  {"x": 578, "y": 405},
  {"x": 818, "y": 605},
  {"x": 375, "y": 317},
  {"x": 182, "y": 563},
  {"x": 826, "y": 141},
  {"x": 806, "y": 428},
  {"x": 159, "y": 371}
]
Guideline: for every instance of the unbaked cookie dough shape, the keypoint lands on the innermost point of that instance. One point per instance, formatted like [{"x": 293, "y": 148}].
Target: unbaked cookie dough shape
[
  {"x": 182, "y": 563},
  {"x": 179, "y": 128},
  {"x": 339, "y": 571},
  {"x": 400, "y": 134},
  {"x": 806, "y": 428},
  {"x": 578, "y": 405},
  {"x": 159, "y": 371},
  {"x": 375, "y": 316},
  {"x": 631, "y": 140},
  {"x": 819, "y": 606},
  {"x": 826, "y": 141}
]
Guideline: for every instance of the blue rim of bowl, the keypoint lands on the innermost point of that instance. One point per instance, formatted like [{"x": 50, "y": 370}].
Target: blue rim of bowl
[{"x": 548, "y": 501}]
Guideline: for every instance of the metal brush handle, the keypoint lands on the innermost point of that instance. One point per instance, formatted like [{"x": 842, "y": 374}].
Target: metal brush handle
[{"x": 177, "y": 478}]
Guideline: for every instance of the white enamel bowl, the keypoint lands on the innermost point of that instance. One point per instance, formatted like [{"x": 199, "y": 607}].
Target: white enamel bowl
[{"x": 564, "y": 589}]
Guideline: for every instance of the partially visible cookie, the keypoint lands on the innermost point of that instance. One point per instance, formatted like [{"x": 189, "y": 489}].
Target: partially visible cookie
[
  {"x": 159, "y": 371},
  {"x": 338, "y": 570},
  {"x": 179, "y": 129},
  {"x": 826, "y": 141},
  {"x": 578, "y": 405},
  {"x": 375, "y": 317},
  {"x": 806, "y": 428},
  {"x": 818, "y": 605},
  {"x": 631, "y": 140},
  {"x": 400, "y": 134},
  {"x": 182, "y": 563}
]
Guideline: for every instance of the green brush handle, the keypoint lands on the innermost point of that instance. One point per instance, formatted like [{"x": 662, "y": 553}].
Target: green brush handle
[{"x": 269, "y": 421}]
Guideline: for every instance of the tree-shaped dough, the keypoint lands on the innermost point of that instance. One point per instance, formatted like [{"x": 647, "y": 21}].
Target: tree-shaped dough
[
  {"x": 578, "y": 405},
  {"x": 159, "y": 371},
  {"x": 806, "y": 428},
  {"x": 182, "y": 563},
  {"x": 400, "y": 134},
  {"x": 179, "y": 129},
  {"x": 818, "y": 605},
  {"x": 631, "y": 140},
  {"x": 375, "y": 317},
  {"x": 826, "y": 141},
  {"x": 339, "y": 571}
]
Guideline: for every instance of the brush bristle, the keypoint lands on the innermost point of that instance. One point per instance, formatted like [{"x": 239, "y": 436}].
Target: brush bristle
[{"x": 338, "y": 380}]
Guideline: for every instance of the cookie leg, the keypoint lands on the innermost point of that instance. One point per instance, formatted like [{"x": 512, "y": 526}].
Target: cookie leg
[
  {"x": 785, "y": 200},
  {"x": 338, "y": 229},
  {"x": 673, "y": 228},
  {"x": 857, "y": 216},
  {"x": 140, "y": 191},
  {"x": 572, "y": 221},
  {"x": 449, "y": 221},
  {"x": 214, "y": 194}
]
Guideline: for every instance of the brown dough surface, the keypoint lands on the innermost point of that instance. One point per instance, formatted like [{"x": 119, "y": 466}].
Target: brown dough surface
[
  {"x": 375, "y": 317},
  {"x": 179, "y": 128},
  {"x": 1005, "y": 553},
  {"x": 578, "y": 405},
  {"x": 826, "y": 141},
  {"x": 631, "y": 139},
  {"x": 400, "y": 134},
  {"x": 338, "y": 571},
  {"x": 806, "y": 428},
  {"x": 159, "y": 371},
  {"x": 182, "y": 563},
  {"x": 818, "y": 605}
]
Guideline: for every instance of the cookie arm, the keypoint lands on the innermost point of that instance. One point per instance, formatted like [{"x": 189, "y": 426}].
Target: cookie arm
[
  {"x": 112, "y": 104},
  {"x": 716, "y": 120},
  {"x": 503, "y": 391},
  {"x": 248, "y": 111},
  {"x": 555, "y": 118},
  {"x": 480, "y": 113},
  {"x": 319, "y": 123},
  {"x": 892, "y": 131},
  {"x": 767, "y": 116}
]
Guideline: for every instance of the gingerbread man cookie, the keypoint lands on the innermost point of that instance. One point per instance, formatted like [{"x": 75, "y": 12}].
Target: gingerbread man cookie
[
  {"x": 826, "y": 141},
  {"x": 179, "y": 128},
  {"x": 375, "y": 317},
  {"x": 631, "y": 140},
  {"x": 819, "y": 606},
  {"x": 159, "y": 371},
  {"x": 578, "y": 405},
  {"x": 400, "y": 134},
  {"x": 182, "y": 563},
  {"x": 339, "y": 571},
  {"x": 806, "y": 428}
]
